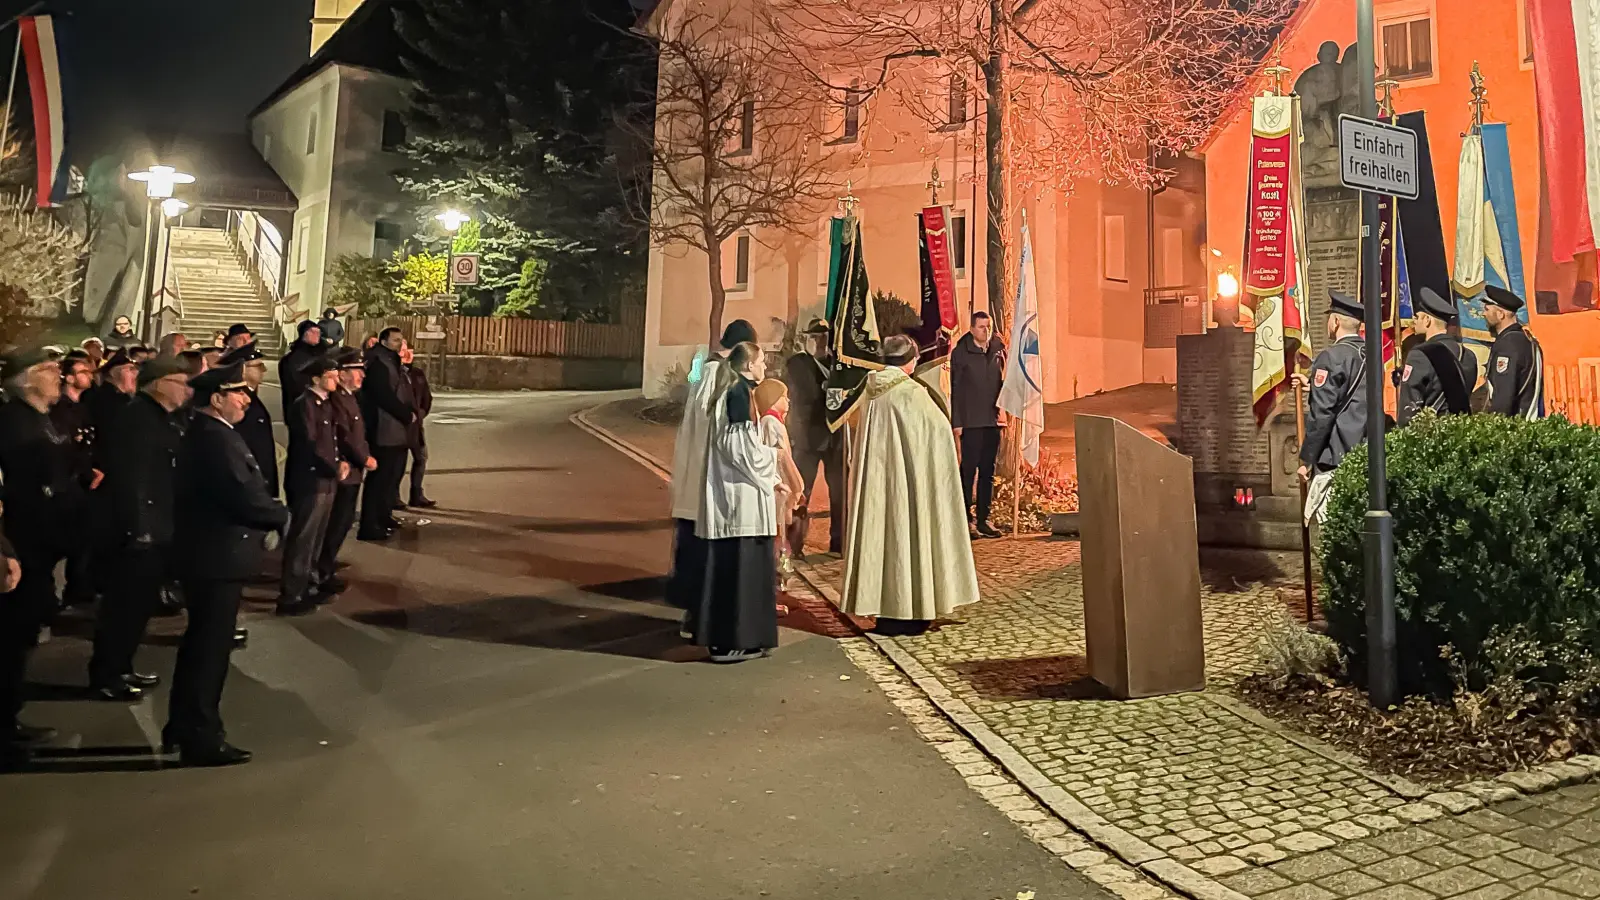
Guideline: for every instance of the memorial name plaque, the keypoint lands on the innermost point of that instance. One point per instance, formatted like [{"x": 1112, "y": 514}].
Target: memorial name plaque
[
  {"x": 1215, "y": 424},
  {"x": 1331, "y": 265}
]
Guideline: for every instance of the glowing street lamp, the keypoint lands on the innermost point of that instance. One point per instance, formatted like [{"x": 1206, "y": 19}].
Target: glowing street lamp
[
  {"x": 159, "y": 181},
  {"x": 453, "y": 219},
  {"x": 172, "y": 207}
]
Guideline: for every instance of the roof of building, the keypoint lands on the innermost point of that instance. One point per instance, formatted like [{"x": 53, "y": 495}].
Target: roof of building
[
  {"x": 228, "y": 171},
  {"x": 367, "y": 39}
]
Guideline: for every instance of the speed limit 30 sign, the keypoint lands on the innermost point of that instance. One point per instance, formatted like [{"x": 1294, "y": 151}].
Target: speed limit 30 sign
[{"x": 464, "y": 268}]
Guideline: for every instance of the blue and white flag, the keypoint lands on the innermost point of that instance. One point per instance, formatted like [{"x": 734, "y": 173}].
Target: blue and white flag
[
  {"x": 1488, "y": 246},
  {"x": 1022, "y": 395}
]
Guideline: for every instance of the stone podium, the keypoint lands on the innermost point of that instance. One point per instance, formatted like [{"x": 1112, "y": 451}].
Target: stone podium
[{"x": 1141, "y": 566}]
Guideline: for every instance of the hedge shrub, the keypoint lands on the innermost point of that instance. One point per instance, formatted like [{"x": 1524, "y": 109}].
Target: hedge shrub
[{"x": 1497, "y": 523}]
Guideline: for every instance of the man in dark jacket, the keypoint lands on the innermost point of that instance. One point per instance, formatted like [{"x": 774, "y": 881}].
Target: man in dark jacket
[
  {"x": 977, "y": 370},
  {"x": 256, "y": 426},
  {"x": 422, "y": 402},
  {"x": 1440, "y": 374},
  {"x": 1336, "y": 421},
  {"x": 813, "y": 444},
  {"x": 223, "y": 518},
  {"x": 291, "y": 368},
  {"x": 1516, "y": 364},
  {"x": 311, "y": 477},
  {"x": 73, "y": 419},
  {"x": 139, "y": 487},
  {"x": 351, "y": 430},
  {"x": 43, "y": 502},
  {"x": 390, "y": 408},
  {"x": 119, "y": 378}
]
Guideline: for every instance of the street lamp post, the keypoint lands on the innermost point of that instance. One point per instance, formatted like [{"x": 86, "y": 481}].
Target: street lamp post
[
  {"x": 171, "y": 208},
  {"x": 1378, "y": 528},
  {"x": 159, "y": 183},
  {"x": 452, "y": 220}
]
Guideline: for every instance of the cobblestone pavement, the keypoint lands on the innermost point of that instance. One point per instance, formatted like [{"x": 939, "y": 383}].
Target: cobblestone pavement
[{"x": 1198, "y": 789}]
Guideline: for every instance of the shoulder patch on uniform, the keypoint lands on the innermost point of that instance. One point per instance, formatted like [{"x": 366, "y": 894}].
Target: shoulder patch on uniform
[
  {"x": 1501, "y": 364},
  {"x": 1406, "y": 375},
  {"x": 1322, "y": 377}
]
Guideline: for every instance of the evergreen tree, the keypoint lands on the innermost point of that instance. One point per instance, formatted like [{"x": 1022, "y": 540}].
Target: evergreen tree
[{"x": 514, "y": 120}]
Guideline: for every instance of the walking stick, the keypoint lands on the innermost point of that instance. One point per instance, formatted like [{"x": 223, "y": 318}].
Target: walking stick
[
  {"x": 1016, "y": 487},
  {"x": 1305, "y": 487}
]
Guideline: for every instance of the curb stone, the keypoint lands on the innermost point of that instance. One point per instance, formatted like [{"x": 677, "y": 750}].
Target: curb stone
[{"x": 1423, "y": 805}]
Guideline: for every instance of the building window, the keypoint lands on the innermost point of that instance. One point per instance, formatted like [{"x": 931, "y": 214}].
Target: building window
[
  {"x": 852, "y": 113},
  {"x": 1171, "y": 257},
  {"x": 1114, "y": 248},
  {"x": 311, "y": 134},
  {"x": 387, "y": 238},
  {"x": 1407, "y": 47},
  {"x": 302, "y": 240},
  {"x": 394, "y": 130},
  {"x": 741, "y": 264},
  {"x": 747, "y": 127},
  {"x": 958, "y": 243},
  {"x": 956, "y": 102}
]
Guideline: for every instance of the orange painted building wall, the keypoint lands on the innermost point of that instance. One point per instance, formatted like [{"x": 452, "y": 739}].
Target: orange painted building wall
[{"x": 1489, "y": 32}]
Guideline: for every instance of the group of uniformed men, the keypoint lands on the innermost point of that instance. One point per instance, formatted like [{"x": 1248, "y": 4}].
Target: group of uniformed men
[
  {"x": 1438, "y": 373},
  {"x": 153, "y": 476}
]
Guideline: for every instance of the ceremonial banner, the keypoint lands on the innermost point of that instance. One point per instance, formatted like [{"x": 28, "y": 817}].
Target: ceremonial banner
[
  {"x": 1427, "y": 264},
  {"x": 1022, "y": 394},
  {"x": 1488, "y": 248},
  {"x": 1565, "y": 59},
  {"x": 1389, "y": 266},
  {"x": 856, "y": 351},
  {"x": 1274, "y": 256},
  {"x": 938, "y": 286},
  {"x": 37, "y": 40},
  {"x": 835, "y": 266}
]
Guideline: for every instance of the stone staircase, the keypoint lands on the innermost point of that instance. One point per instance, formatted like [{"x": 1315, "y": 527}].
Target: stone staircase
[{"x": 217, "y": 291}]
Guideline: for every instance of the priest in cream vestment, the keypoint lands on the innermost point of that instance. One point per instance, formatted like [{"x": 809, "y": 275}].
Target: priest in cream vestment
[{"x": 908, "y": 559}]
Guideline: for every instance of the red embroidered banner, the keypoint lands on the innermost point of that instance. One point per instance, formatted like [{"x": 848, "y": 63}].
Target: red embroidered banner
[
  {"x": 1268, "y": 248},
  {"x": 936, "y": 229}
]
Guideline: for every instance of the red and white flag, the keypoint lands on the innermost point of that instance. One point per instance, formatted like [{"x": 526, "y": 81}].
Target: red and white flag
[
  {"x": 41, "y": 52},
  {"x": 1566, "y": 66}
]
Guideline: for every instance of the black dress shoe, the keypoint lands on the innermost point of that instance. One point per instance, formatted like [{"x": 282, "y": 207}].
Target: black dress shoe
[
  {"x": 399, "y": 504},
  {"x": 118, "y": 693},
  {"x": 32, "y": 734},
  {"x": 142, "y": 679},
  {"x": 241, "y": 636},
  {"x": 423, "y": 503},
  {"x": 333, "y": 585},
  {"x": 301, "y": 607},
  {"x": 223, "y": 754},
  {"x": 988, "y": 531}
]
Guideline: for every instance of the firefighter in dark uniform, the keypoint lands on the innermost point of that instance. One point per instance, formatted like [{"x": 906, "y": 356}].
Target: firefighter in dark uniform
[
  {"x": 74, "y": 420},
  {"x": 311, "y": 477},
  {"x": 1516, "y": 364},
  {"x": 353, "y": 450},
  {"x": 256, "y": 426},
  {"x": 1336, "y": 421},
  {"x": 224, "y": 517},
  {"x": 43, "y": 502},
  {"x": 139, "y": 485},
  {"x": 1439, "y": 373}
]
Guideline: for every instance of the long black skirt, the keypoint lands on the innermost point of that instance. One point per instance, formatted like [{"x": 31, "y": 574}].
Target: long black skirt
[
  {"x": 739, "y": 596},
  {"x": 685, "y": 584}
]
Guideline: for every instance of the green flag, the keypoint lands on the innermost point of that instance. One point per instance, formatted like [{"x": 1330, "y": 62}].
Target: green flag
[{"x": 856, "y": 343}]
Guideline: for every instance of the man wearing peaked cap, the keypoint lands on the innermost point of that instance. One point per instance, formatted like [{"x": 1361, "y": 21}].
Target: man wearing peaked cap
[
  {"x": 223, "y": 517},
  {"x": 351, "y": 431},
  {"x": 1439, "y": 373},
  {"x": 1516, "y": 364},
  {"x": 311, "y": 476},
  {"x": 239, "y": 335},
  {"x": 1337, "y": 419}
]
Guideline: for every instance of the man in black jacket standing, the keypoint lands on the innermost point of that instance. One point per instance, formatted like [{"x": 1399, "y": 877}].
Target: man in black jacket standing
[
  {"x": 139, "y": 487},
  {"x": 813, "y": 444},
  {"x": 422, "y": 402},
  {"x": 74, "y": 420},
  {"x": 256, "y": 426},
  {"x": 291, "y": 368},
  {"x": 977, "y": 370},
  {"x": 311, "y": 476},
  {"x": 390, "y": 407},
  {"x": 223, "y": 518},
  {"x": 43, "y": 500},
  {"x": 351, "y": 430}
]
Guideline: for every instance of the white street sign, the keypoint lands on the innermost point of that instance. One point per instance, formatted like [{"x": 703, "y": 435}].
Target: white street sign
[
  {"x": 1378, "y": 158},
  {"x": 464, "y": 269},
  {"x": 426, "y": 335}
]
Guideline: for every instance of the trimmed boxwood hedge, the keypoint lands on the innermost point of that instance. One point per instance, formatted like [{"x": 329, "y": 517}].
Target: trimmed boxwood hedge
[{"x": 1497, "y": 523}]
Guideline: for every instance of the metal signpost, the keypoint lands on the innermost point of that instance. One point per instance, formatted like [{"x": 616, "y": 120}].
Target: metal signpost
[{"x": 1376, "y": 158}]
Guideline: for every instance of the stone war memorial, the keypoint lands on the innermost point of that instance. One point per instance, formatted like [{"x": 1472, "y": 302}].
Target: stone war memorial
[{"x": 1246, "y": 490}]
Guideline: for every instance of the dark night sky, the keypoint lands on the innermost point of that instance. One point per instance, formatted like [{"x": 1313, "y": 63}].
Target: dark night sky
[{"x": 161, "y": 65}]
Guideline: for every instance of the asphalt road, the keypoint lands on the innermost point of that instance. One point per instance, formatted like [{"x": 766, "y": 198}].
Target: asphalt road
[{"x": 500, "y": 707}]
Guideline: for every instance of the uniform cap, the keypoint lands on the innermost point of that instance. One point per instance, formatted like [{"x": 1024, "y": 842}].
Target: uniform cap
[
  {"x": 160, "y": 367},
  {"x": 25, "y": 358},
  {"x": 349, "y": 358},
  {"x": 818, "y": 326},
  {"x": 239, "y": 328},
  {"x": 306, "y": 326},
  {"x": 240, "y": 355},
  {"x": 1502, "y": 298},
  {"x": 217, "y": 381},
  {"x": 1346, "y": 305},
  {"x": 1435, "y": 305},
  {"x": 119, "y": 358},
  {"x": 319, "y": 366}
]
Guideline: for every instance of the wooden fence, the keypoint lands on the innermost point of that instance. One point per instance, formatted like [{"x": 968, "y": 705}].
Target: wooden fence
[
  {"x": 1574, "y": 391},
  {"x": 486, "y": 336}
]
